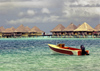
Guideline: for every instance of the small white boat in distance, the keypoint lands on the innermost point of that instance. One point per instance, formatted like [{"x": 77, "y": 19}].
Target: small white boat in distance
[{"x": 62, "y": 49}]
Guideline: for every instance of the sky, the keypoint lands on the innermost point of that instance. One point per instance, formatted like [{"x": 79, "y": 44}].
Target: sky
[{"x": 47, "y": 14}]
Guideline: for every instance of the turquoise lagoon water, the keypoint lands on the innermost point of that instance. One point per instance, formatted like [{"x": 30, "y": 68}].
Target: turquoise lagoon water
[{"x": 33, "y": 54}]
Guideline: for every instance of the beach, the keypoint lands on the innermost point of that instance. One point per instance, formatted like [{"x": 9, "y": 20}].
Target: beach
[{"x": 33, "y": 54}]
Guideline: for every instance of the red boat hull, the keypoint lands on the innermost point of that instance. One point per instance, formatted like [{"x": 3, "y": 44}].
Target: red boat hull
[{"x": 61, "y": 51}]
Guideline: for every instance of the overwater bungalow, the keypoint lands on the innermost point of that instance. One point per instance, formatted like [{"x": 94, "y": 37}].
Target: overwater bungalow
[
  {"x": 27, "y": 28},
  {"x": 58, "y": 30},
  {"x": 97, "y": 27},
  {"x": 84, "y": 30},
  {"x": 21, "y": 32},
  {"x": 69, "y": 29},
  {"x": 0, "y": 33},
  {"x": 78, "y": 25},
  {"x": 1, "y": 30},
  {"x": 35, "y": 31},
  {"x": 9, "y": 32},
  {"x": 97, "y": 33}
]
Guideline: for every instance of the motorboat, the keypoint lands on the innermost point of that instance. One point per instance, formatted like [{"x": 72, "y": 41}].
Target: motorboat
[{"x": 62, "y": 49}]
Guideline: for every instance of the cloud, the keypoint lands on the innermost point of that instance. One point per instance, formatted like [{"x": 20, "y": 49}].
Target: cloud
[
  {"x": 30, "y": 12},
  {"x": 5, "y": 5},
  {"x": 52, "y": 18},
  {"x": 21, "y": 21},
  {"x": 25, "y": 4},
  {"x": 21, "y": 14},
  {"x": 45, "y": 10},
  {"x": 83, "y": 3},
  {"x": 81, "y": 8},
  {"x": 12, "y": 4},
  {"x": 38, "y": 19},
  {"x": 47, "y": 6},
  {"x": 4, "y": 0},
  {"x": 82, "y": 12},
  {"x": 13, "y": 0}
]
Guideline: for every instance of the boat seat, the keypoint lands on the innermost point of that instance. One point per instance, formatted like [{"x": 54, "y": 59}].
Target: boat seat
[{"x": 61, "y": 45}]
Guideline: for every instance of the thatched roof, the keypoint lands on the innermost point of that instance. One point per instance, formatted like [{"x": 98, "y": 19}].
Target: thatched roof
[
  {"x": 21, "y": 28},
  {"x": 97, "y": 27},
  {"x": 27, "y": 28},
  {"x": 2, "y": 29},
  {"x": 84, "y": 27},
  {"x": 9, "y": 30},
  {"x": 58, "y": 28},
  {"x": 70, "y": 27},
  {"x": 36, "y": 29},
  {"x": 78, "y": 25}
]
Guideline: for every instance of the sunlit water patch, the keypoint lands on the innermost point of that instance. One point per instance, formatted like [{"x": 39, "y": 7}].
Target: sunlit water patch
[{"x": 35, "y": 55}]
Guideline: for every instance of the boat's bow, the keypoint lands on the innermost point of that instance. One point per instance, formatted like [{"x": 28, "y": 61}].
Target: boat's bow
[{"x": 60, "y": 50}]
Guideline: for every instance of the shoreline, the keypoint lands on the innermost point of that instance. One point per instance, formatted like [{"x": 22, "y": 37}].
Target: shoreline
[{"x": 45, "y": 38}]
